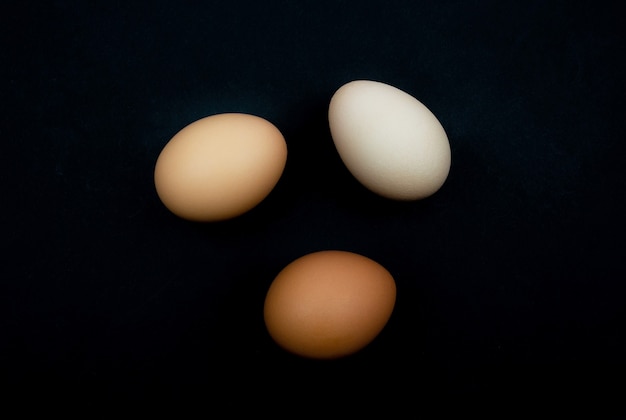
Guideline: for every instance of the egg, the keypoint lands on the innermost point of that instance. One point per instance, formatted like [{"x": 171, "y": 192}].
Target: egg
[
  {"x": 390, "y": 142},
  {"x": 220, "y": 166},
  {"x": 329, "y": 304}
]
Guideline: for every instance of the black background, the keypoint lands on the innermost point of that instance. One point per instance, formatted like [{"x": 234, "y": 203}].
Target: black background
[{"x": 510, "y": 279}]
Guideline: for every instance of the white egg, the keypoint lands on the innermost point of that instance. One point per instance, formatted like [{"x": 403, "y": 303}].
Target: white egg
[{"x": 389, "y": 141}]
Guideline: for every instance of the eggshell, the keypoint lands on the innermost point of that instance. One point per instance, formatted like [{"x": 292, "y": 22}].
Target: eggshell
[
  {"x": 329, "y": 304},
  {"x": 220, "y": 167},
  {"x": 389, "y": 140}
]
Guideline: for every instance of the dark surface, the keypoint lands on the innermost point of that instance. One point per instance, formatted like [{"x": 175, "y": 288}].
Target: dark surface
[{"x": 510, "y": 279}]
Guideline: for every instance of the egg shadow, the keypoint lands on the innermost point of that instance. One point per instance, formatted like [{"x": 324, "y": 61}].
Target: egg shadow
[{"x": 313, "y": 165}]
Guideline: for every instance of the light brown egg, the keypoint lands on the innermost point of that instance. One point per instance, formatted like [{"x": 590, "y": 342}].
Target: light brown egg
[
  {"x": 220, "y": 167},
  {"x": 329, "y": 304}
]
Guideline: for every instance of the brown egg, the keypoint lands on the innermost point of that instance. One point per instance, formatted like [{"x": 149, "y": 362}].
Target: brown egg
[
  {"x": 220, "y": 166},
  {"x": 329, "y": 304}
]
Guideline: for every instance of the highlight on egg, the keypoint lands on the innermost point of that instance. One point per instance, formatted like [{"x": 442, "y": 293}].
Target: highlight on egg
[
  {"x": 390, "y": 142},
  {"x": 220, "y": 166},
  {"x": 329, "y": 304}
]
